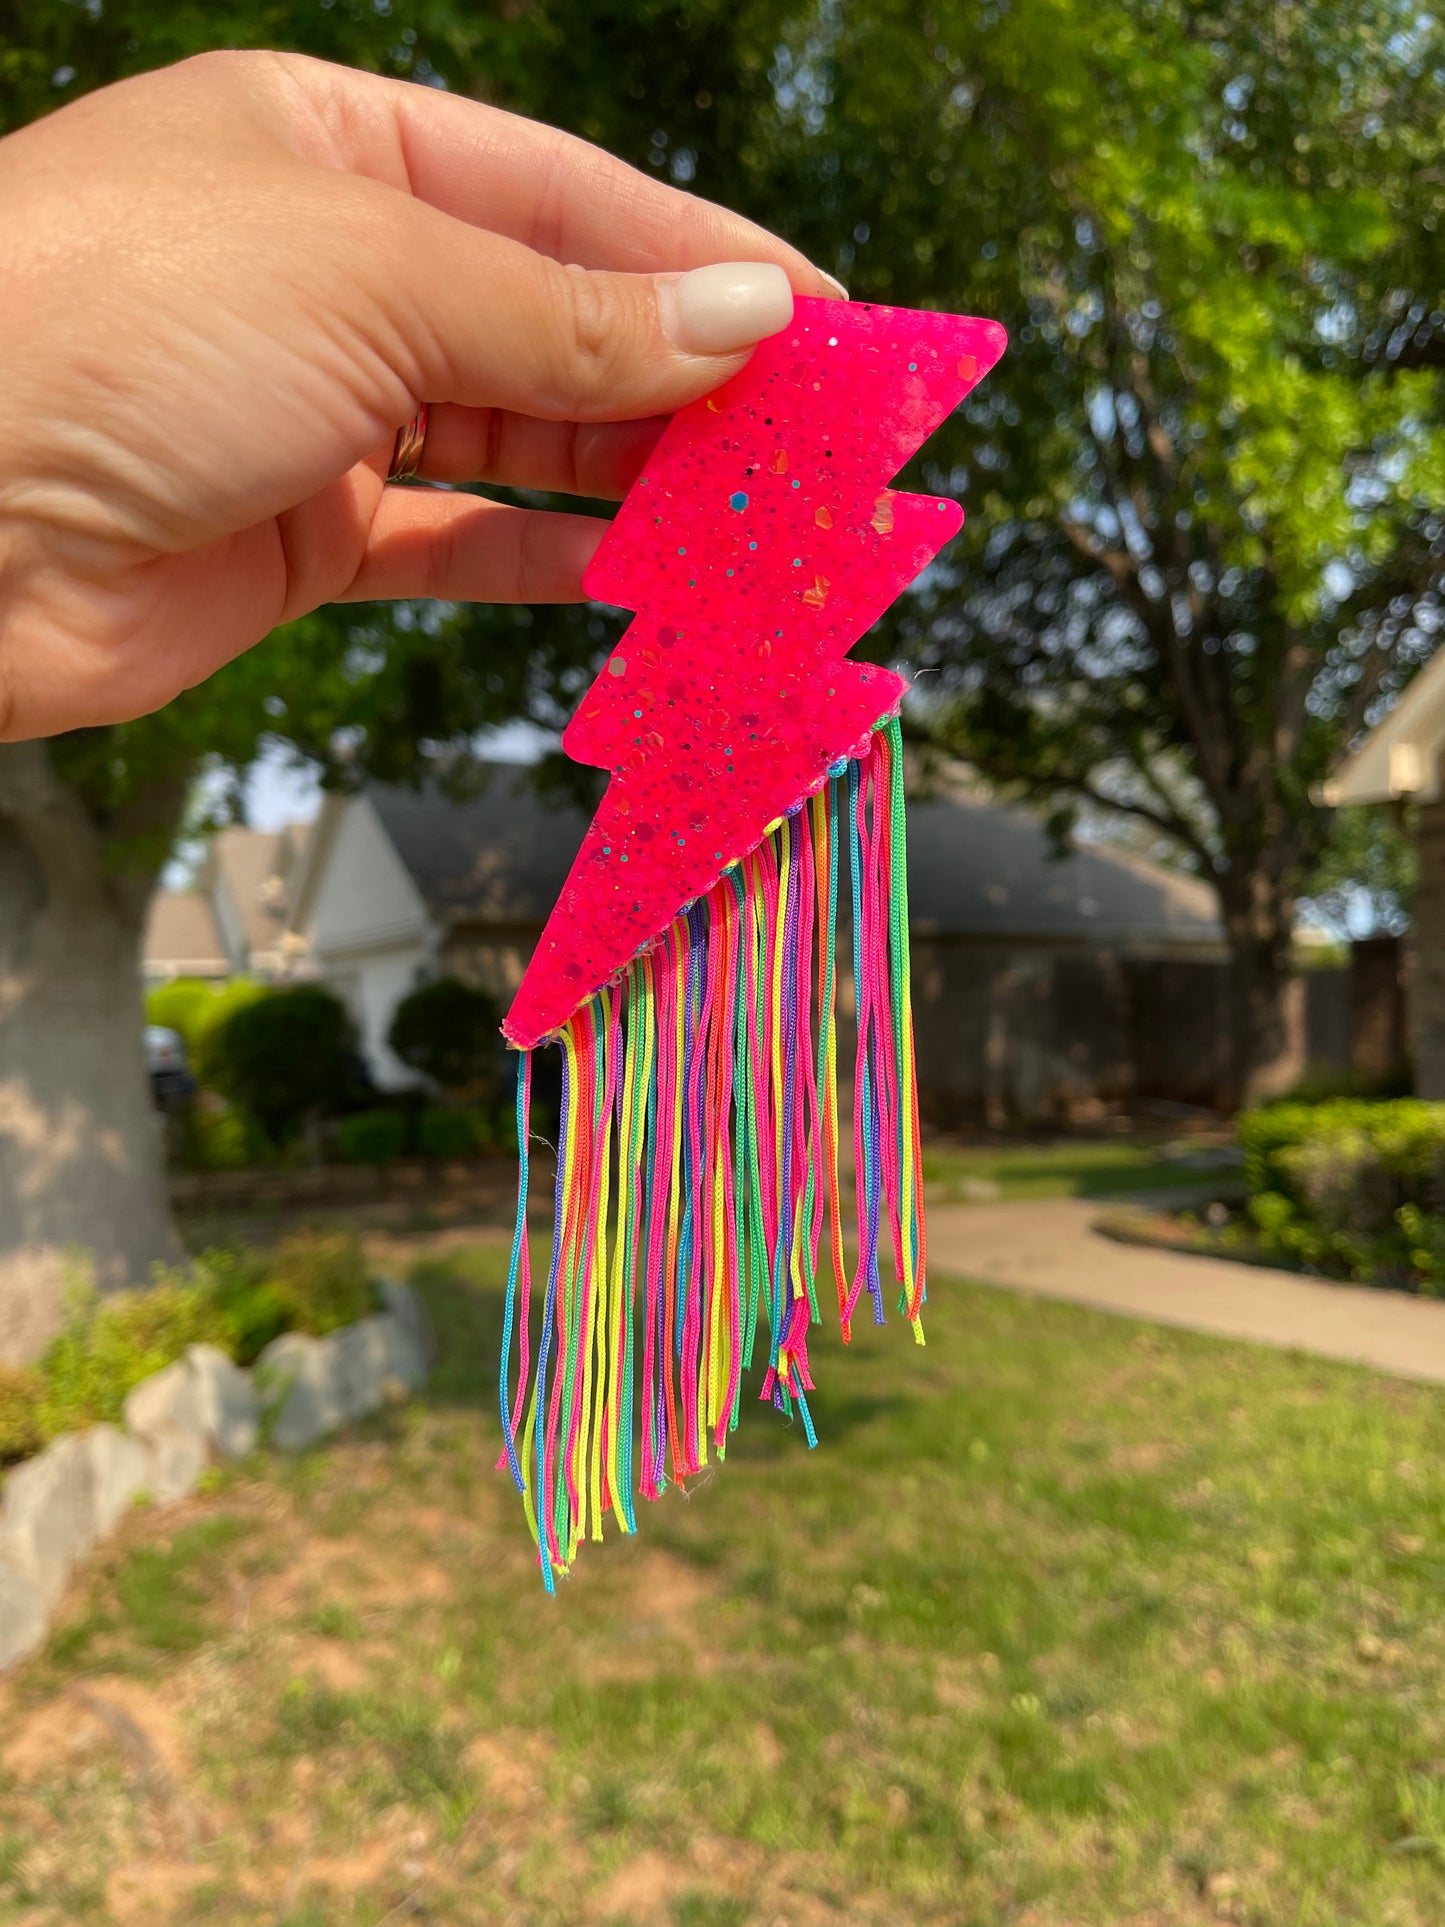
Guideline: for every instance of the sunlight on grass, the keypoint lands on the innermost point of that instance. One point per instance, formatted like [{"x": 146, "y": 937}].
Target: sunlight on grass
[
  {"x": 1073, "y": 1169},
  {"x": 159, "y": 1588},
  {"x": 1067, "y": 1621}
]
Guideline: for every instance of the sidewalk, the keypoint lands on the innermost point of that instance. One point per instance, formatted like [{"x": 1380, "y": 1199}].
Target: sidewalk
[{"x": 1048, "y": 1248}]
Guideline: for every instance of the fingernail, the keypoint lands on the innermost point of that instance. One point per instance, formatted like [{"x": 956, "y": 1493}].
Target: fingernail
[
  {"x": 731, "y": 305},
  {"x": 834, "y": 283}
]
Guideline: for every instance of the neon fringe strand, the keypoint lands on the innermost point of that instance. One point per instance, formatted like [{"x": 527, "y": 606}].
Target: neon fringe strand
[{"x": 697, "y": 1187}]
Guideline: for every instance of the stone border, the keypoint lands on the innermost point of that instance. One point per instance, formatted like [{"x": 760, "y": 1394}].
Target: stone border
[{"x": 56, "y": 1507}]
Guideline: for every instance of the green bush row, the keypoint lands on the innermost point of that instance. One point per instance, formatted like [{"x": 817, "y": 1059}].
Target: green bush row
[
  {"x": 1352, "y": 1188},
  {"x": 289, "y": 1056},
  {"x": 377, "y": 1137},
  {"x": 237, "y": 1299}
]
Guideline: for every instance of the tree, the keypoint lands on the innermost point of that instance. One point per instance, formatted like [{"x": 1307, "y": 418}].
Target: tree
[
  {"x": 1363, "y": 883},
  {"x": 1203, "y": 489},
  {"x": 86, "y": 821},
  {"x": 1207, "y": 483}
]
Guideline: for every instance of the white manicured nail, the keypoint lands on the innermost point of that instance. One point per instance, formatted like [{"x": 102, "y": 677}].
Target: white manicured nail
[
  {"x": 833, "y": 282},
  {"x": 732, "y": 305}
]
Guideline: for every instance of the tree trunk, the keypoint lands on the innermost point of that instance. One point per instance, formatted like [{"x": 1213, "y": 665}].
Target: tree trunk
[
  {"x": 82, "y": 1173},
  {"x": 1427, "y": 956},
  {"x": 1262, "y": 1056}
]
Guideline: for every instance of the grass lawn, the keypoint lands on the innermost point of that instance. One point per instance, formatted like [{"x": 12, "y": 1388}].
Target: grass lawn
[
  {"x": 1068, "y": 1621},
  {"x": 1073, "y": 1168}
]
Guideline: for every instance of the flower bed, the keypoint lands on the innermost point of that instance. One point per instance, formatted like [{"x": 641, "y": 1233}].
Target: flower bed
[{"x": 141, "y": 1390}]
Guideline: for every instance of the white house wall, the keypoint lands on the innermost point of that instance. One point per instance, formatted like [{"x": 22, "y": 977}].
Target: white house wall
[
  {"x": 363, "y": 898},
  {"x": 229, "y": 925},
  {"x": 371, "y": 985},
  {"x": 369, "y": 933}
]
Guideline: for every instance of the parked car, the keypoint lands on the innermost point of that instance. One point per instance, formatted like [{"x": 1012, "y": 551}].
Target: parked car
[{"x": 170, "y": 1074}]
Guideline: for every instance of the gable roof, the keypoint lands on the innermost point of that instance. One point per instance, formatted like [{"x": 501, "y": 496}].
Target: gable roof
[
  {"x": 181, "y": 938},
  {"x": 982, "y": 868},
  {"x": 1401, "y": 755},
  {"x": 501, "y": 855},
  {"x": 254, "y": 868},
  {"x": 976, "y": 867}
]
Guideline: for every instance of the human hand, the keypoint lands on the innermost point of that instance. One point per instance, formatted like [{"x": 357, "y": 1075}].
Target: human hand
[{"x": 225, "y": 286}]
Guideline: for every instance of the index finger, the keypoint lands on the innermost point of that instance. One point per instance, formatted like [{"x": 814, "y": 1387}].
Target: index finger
[{"x": 556, "y": 194}]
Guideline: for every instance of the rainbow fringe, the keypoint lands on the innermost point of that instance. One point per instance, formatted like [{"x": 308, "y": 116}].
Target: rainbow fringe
[{"x": 697, "y": 1157}]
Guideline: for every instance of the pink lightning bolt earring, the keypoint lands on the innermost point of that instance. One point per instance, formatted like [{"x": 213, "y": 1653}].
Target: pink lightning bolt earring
[{"x": 689, "y": 972}]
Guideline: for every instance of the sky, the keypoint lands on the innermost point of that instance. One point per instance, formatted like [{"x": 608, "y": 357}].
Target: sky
[{"x": 278, "y": 792}]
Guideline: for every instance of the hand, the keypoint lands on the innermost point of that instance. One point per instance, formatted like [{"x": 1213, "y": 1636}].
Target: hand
[{"x": 224, "y": 287}]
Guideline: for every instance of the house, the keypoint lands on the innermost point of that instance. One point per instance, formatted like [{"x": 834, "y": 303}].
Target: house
[
  {"x": 399, "y": 886},
  {"x": 1400, "y": 761},
  {"x": 1042, "y": 986},
  {"x": 232, "y": 921}
]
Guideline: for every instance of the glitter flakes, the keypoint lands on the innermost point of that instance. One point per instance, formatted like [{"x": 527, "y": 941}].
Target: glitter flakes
[{"x": 774, "y": 493}]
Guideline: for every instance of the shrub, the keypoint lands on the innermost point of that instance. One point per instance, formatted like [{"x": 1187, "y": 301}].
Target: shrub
[
  {"x": 372, "y": 1137},
  {"x": 287, "y": 1056},
  {"x": 199, "y": 1010},
  {"x": 322, "y": 1281},
  {"x": 1352, "y": 1188},
  {"x": 22, "y": 1394},
  {"x": 181, "y": 1005},
  {"x": 237, "y": 1299},
  {"x": 450, "y": 1033},
  {"x": 108, "y": 1345},
  {"x": 452, "y": 1134},
  {"x": 223, "y": 1137},
  {"x": 311, "y": 1282}
]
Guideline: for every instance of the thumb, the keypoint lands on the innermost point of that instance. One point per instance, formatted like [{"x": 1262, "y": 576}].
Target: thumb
[{"x": 495, "y": 325}]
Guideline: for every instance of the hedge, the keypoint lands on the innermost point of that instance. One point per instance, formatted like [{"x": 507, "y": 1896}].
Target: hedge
[
  {"x": 1352, "y": 1188},
  {"x": 372, "y": 1137},
  {"x": 199, "y": 1010},
  {"x": 377, "y": 1137}
]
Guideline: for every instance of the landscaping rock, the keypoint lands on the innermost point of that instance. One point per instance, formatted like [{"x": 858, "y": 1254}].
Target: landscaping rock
[
  {"x": 173, "y": 1397},
  {"x": 379, "y": 1359},
  {"x": 302, "y": 1387},
  {"x": 122, "y": 1467},
  {"x": 54, "y": 1507},
  {"x": 22, "y": 1616},
  {"x": 229, "y": 1405},
  {"x": 178, "y": 1459},
  {"x": 411, "y": 1314},
  {"x": 47, "y": 1515}
]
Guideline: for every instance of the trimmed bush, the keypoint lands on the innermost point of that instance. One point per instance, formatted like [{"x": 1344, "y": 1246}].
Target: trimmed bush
[
  {"x": 1351, "y": 1188},
  {"x": 371, "y": 1137},
  {"x": 286, "y": 1057},
  {"x": 198, "y": 1010},
  {"x": 452, "y": 1134},
  {"x": 223, "y": 1137},
  {"x": 450, "y": 1033},
  {"x": 182, "y": 1005}
]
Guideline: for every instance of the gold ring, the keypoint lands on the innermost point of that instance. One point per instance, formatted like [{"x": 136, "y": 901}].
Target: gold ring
[{"x": 407, "y": 451}]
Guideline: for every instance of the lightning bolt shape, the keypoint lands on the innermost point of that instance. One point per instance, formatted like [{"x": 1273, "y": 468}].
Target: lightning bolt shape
[{"x": 759, "y": 544}]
